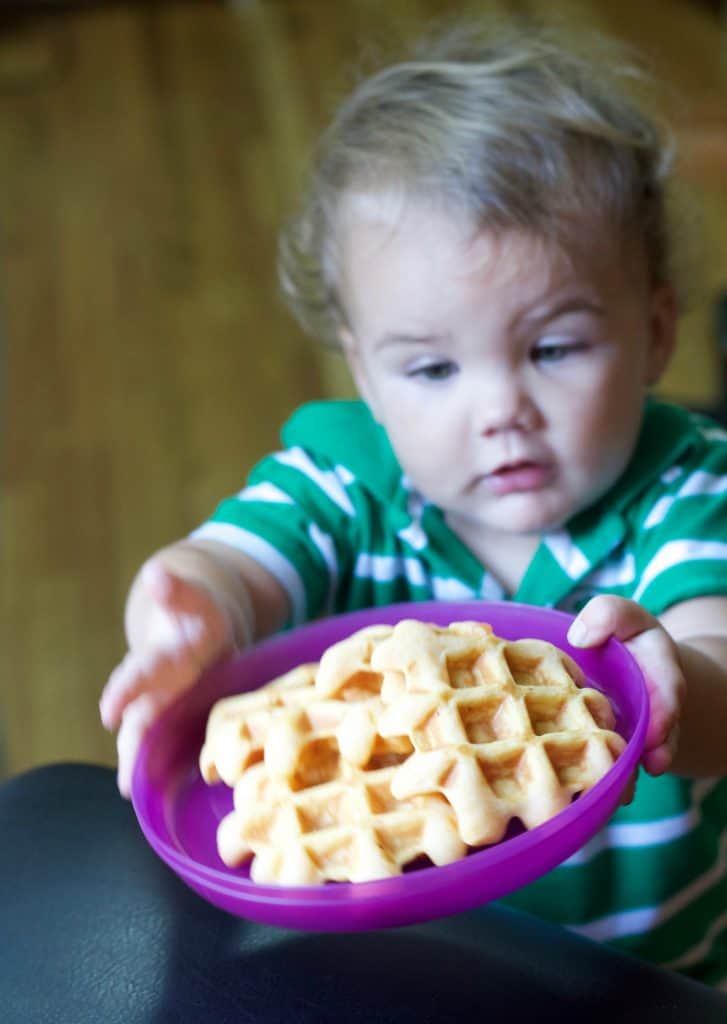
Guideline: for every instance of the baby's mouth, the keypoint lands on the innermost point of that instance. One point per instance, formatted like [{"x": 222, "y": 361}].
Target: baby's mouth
[
  {"x": 519, "y": 476},
  {"x": 513, "y": 467}
]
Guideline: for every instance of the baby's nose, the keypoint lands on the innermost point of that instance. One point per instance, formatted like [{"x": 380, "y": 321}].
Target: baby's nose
[{"x": 503, "y": 405}]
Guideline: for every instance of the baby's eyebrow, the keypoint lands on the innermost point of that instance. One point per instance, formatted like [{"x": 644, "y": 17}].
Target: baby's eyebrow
[
  {"x": 396, "y": 338},
  {"x": 577, "y": 304}
]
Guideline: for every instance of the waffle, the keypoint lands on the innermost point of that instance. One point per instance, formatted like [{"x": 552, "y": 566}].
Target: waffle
[
  {"x": 347, "y": 827},
  {"x": 501, "y": 729},
  {"x": 313, "y": 708},
  {"x": 237, "y": 727},
  {"x": 403, "y": 742}
]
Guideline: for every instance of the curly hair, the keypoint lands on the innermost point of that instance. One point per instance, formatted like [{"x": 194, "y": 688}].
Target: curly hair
[{"x": 512, "y": 124}]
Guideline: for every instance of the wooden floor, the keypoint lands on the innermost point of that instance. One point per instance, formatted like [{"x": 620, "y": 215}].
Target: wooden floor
[{"x": 148, "y": 154}]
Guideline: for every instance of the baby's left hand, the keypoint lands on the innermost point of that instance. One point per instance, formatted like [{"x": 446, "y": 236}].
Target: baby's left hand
[{"x": 658, "y": 658}]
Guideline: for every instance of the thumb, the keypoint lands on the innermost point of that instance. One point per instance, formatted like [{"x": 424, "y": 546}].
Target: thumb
[
  {"x": 159, "y": 581},
  {"x": 181, "y": 599},
  {"x": 173, "y": 592}
]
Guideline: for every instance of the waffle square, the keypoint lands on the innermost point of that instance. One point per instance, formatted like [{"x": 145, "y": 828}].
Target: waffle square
[{"x": 405, "y": 741}]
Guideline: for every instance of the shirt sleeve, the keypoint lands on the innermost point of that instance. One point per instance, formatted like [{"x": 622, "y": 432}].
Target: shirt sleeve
[
  {"x": 296, "y": 518},
  {"x": 682, "y": 549}
]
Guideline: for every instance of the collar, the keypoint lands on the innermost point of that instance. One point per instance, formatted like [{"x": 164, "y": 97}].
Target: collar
[
  {"x": 566, "y": 556},
  {"x": 345, "y": 433}
]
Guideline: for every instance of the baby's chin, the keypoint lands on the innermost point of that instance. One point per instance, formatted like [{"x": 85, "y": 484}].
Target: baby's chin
[
  {"x": 529, "y": 514},
  {"x": 516, "y": 523}
]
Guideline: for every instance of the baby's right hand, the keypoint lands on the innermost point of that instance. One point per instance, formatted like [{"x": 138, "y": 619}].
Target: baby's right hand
[{"x": 183, "y": 633}]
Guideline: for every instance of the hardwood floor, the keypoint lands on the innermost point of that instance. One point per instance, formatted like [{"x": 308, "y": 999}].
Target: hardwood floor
[{"x": 148, "y": 155}]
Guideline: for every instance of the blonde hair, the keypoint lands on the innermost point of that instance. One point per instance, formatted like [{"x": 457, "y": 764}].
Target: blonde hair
[{"x": 515, "y": 126}]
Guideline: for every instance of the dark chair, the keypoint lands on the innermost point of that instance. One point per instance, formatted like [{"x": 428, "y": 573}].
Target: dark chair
[{"x": 95, "y": 929}]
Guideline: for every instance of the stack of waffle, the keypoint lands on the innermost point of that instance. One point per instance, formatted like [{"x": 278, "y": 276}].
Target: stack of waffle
[{"x": 404, "y": 742}]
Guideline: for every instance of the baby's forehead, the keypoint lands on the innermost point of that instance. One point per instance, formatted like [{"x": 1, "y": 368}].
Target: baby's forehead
[{"x": 373, "y": 224}]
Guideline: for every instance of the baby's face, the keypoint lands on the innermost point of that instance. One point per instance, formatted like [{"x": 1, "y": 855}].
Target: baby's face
[{"x": 509, "y": 378}]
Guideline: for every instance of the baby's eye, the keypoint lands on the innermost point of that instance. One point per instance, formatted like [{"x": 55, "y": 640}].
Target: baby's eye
[
  {"x": 557, "y": 351},
  {"x": 434, "y": 371}
]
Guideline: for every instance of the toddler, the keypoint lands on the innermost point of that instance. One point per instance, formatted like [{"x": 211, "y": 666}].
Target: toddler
[{"x": 486, "y": 237}]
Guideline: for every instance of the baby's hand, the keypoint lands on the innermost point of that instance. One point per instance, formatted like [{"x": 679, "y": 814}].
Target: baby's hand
[
  {"x": 184, "y": 632},
  {"x": 657, "y": 657}
]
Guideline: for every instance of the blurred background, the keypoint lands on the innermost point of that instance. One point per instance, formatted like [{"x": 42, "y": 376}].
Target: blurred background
[{"x": 148, "y": 153}]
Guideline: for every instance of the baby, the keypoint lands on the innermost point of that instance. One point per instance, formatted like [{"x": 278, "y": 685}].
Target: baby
[{"x": 486, "y": 238}]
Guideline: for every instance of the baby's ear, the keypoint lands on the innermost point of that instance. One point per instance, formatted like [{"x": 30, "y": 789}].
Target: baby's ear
[
  {"x": 663, "y": 319},
  {"x": 352, "y": 356},
  {"x": 346, "y": 340}
]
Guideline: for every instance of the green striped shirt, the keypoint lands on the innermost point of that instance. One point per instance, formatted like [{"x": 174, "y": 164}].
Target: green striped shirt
[{"x": 332, "y": 517}]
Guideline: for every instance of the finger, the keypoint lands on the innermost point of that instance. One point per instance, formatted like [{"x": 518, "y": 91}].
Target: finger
[
  {"x": 659, "y": 759},
  {"x": 173, "y": 592},
  {"x": 138, "y": 717},
  {"x": 122, "y": 684},
  {"x": 630, "y": 790},
  {"x": 665, "y": 683},
  {"x": 189, "y": 612},
  {"x": 167, "y": 671},
  {"x": 157, "y": 579},
  {"x": 607, "y": 615}
]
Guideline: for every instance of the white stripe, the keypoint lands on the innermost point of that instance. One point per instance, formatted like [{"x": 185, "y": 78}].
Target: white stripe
[
  {"x": 265, "y": 492},
  {"x": 630, "y": 834},
  {"x": 331, "y": 482},
  {"x": 415, "y": 500},
  {"x": 326, "y": 547},
  {"x": 696, "y": 484},
  {"x": 569, "y": 557},
  {"x": 490, "y": 589},
  {"x": 643, "y": 919},
  {"x": 450, "y": 589},
  {"x": 671, "y": 474},
  {"x": 659, "y": 511},
  {"x": 384, "y": 568},
  {"x": 414, "y": 535},
  {"x": 714, "y": 433},
  {"x": 615, "y": 573},
  {"x": 614, "y": 926},
  {"x": 264, "y": 553},
  {"x": 646, "y": 833},
  {"x": 675, "y": 553},
  {"x": 701, "y": 482}
]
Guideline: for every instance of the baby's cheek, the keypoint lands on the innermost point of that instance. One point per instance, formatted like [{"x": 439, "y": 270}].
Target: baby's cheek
[{"x": 417, "y": 440}]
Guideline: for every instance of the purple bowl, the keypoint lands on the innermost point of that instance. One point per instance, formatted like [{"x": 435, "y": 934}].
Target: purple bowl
[{"x": 178, "y": 813}]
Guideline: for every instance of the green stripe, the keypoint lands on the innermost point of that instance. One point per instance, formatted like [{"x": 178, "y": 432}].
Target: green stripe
[
  {"x": 684, "y": 582},
  {"x": 656, "y": 800}
]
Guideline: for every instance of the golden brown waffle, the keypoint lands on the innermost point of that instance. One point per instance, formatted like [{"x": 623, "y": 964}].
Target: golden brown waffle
[
  {"x": 296, "y": 730},
  {"x": 404, "y": 741},
  {"x": 238, "y": 726},
  {"x": 500, "y": 728},
  {"x": 347, "y": 827}
]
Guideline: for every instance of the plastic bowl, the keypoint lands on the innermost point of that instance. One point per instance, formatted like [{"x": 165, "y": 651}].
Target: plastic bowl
[{"x": 178, "y": 813}]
